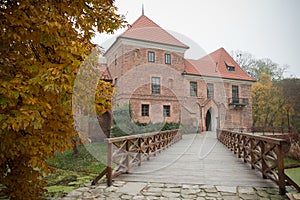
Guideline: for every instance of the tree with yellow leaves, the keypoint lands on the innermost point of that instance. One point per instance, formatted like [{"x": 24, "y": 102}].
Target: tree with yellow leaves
[
  {"x": 269, "y": 103},
  {"x": 42, "y": 45}
]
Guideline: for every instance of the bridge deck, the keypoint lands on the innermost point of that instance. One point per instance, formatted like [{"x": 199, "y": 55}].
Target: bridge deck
[{"x": 197, "y": 159}]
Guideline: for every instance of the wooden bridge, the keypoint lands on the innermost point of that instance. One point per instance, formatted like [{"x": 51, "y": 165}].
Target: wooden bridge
[{"x": 197, "y": 159}]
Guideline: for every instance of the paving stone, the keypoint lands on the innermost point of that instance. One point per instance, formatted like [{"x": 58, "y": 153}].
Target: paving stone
[
  {"x": 188, "y": 196},
  {"x": 151, "y": 194},
  {"x": 126, "y": 196},
  {"x": 97, "y": 191},
  {"x": 210, "y": 198},
  {"x": 168, "y": 185},
  {"x": 263, "y": 198},
  {"x": 227, "y": 194},
  {"x": 155, "y": 189},
  {"x": 176, "y": 189},
  {"x": 152, "y": 197},
  {"x": 226, "y": 189},
  {"x": 200, "y": 198},
  {"x": 201, "y": 194},
  {"x": 185, "y": 186},
  {"x": 170, "y": 194},
  {"x": 118, "y": 183},
  {"x": 272, "y": 190},
  {"x": 246, "y": 190},
  {"x": 262, "y": 193},
  {"x": 190, "y": 191},
  {"x": 213, "y": 194},
  {"x": 132, "y": 188},
  {"x": 248, "y": 196},
  {"x": 139, "y": 198},
  {"x": 296, "y": 196},
  {"x": 158, "y": 185},
  {"x": 75, "y": 193},
  {"x": 231, "y": 198},
  {"x": 211, "y": 190},
  {"x": 276, "y": 197},
  {"x": 111, "y": 189},
  {"x": 82, "y": 189}
]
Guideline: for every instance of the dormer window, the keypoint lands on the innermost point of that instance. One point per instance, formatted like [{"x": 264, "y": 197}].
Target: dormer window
[{"x": 230, "y": 67}]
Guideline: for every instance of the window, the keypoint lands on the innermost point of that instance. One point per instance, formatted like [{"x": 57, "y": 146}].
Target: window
[
  {"x": 155, "y": 84},
  {"x": 145, "y": 109},
  {"x": 235, "y": 94},
  {"x": 230, "y": 67},
  {"x": 193, "y": 89},
  {"x": 116, "y": 81},
  {"x": 210, "y": 90},
  {"x": 151, "y": 56},
  {"x": 167, "y": 111},
  {"x": 168, "y": 58},
  {"x": 116, "y": 62}
]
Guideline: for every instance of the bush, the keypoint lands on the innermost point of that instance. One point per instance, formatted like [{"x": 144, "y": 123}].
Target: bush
[{"x": 139, "y": 128}]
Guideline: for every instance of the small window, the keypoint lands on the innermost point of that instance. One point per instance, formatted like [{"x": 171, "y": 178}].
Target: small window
[
  {"x": 155, "y": 85},
  {"x": 230, "y": 67},
  {"x": 210, "y": 91},
  {"x": 167, "y": 111},
  {"x": 193, "y": 89},
  {"x": 151, "y": 56},
  {"x": 168, "y": 58},
  {"x": 145, "y": 109},
  {"x": 116, "y": 81},
  {"x": 116, "y": 62},
  {"x": 235, "y": 94}
]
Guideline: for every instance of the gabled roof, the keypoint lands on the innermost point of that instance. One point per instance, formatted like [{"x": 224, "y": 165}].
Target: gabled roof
[
  {"x": 215, "y": 65},
  {"x": 146, "y": 30}
]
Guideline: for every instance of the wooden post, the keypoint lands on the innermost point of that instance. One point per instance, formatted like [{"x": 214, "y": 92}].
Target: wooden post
[
  {"x": 239, "y": 146},
  {"x": 281, "y": 177},
  {"x": 127, "y": 156},
  {"x": 244, "y": 149},
  {"x": 109, "y": 164},
  {"x": 140, "y": 152},
  {"x": 252, "y": 152},
  {"x": 263, "y": 161},
  {"x": 148, "y": 148},
  {"x": 154, "y": 143}
]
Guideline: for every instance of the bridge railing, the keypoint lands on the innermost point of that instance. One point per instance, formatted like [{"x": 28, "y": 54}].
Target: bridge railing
[
  {"x": 263, "y": 153},
  {"x": 263, "y": 130},
  {"x": 129, "y": 151}
]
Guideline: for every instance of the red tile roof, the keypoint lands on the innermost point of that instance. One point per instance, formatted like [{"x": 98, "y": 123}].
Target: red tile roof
[
  {"x": 105, "y": 74},
  {"x": 214, "y": 65},
  {"x": 145, "y": 29}
]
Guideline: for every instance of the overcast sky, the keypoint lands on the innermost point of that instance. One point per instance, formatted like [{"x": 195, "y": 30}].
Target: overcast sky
[{"x": 264, "y": 28}]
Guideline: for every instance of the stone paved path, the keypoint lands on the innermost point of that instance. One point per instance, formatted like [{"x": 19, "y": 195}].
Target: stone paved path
[{"x": 148, "y": 191}]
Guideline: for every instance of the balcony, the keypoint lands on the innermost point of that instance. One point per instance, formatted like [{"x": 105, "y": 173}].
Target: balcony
[{"x": 238, "y": 102}]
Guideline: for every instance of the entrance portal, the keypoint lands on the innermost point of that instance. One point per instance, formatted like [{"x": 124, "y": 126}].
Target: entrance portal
[{"x": 208, "y": 121}]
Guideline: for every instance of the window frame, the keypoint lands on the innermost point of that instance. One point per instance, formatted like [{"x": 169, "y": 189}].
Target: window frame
[
  {"x": 166, "y": 110},
  {"x": 151, "y": 56},
  {"x": 193, "y": 88},
  {"x": 145, "y": 113},
  {"x": 167, "y": 58},
  {"x": 155, "y": 86},
  {"x": 210, "y": 90},
  {"x": 235, "y": 94}
]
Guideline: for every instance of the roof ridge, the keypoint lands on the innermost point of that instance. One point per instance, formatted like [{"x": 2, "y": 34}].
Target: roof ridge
[{"x": 144, "y": 22}]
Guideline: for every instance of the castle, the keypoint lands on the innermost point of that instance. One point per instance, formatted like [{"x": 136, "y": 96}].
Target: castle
[{"x": 148, "y": 68}]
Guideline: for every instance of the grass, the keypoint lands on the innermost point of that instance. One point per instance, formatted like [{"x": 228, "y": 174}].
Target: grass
[
  {"x": 293, "y": 173},
  {"x": 74, "y": 171}
]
